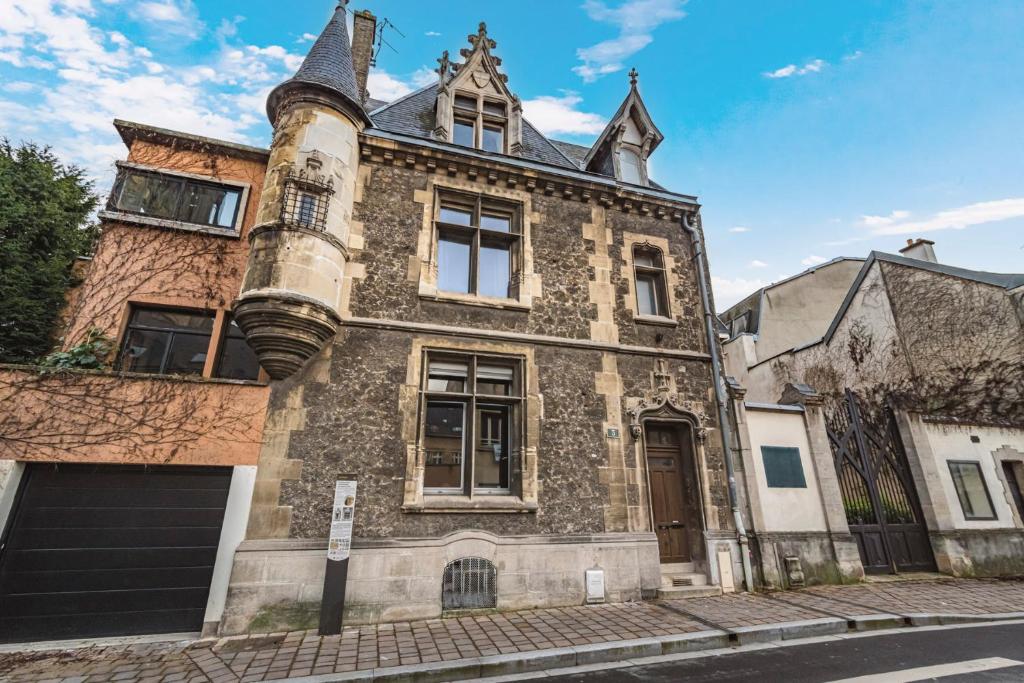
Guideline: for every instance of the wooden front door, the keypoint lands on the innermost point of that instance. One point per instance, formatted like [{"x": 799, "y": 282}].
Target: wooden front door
[{"x": 674, "y": 496}]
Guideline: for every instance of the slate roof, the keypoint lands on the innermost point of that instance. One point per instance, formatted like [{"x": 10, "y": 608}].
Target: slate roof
[
  {"x": 413, "y": 115},
  {"x": 328, "y": 65},
  {"x": 576, "y": 153}
]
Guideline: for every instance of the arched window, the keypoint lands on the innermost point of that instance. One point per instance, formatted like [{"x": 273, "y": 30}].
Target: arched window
[
  {"x": 469, "y": 583},
  {"x": 651, "y": 289},
  {"x": 629, "y": 167}
]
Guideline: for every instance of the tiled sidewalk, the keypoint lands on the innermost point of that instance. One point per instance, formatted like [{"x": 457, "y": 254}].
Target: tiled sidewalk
[{"x": 283, "y": 655}]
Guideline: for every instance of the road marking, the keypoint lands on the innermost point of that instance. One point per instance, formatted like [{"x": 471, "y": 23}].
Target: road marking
[{"x": 937, "y": 671}]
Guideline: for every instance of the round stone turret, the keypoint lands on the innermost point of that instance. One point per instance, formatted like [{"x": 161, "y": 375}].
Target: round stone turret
[{"x": 289, "y": 304}]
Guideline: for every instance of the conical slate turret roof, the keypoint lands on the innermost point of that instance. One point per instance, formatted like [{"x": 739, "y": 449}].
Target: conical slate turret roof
[{"x": 328, "y": 66}]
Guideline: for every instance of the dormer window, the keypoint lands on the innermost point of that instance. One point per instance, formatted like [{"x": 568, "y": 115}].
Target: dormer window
[{"x": 480, "y": 122}]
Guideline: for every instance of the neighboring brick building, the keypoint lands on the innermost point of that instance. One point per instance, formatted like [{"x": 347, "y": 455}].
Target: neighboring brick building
[{"x": 481, "y": 325}]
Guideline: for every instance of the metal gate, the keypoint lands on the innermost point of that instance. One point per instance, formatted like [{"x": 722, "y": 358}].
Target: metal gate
[
  {"x": 878, "y": 491},
  {"x": 469, "y": 583}
]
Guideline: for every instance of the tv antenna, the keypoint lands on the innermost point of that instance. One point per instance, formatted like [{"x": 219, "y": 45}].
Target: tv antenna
[{"x": 384, "y": 24}]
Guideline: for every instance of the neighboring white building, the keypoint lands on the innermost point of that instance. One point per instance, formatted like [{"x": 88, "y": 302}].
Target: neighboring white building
[{"x": 915, "y": 370}]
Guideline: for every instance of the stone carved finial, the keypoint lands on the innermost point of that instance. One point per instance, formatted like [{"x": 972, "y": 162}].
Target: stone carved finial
[
  {"x": 342, "y": 4},
  {"x": 444, "y": 68},
  {"x": 480, "y": 39},
  {"x": 662, "y": 377},
  {"x": 634, "y": 76}
]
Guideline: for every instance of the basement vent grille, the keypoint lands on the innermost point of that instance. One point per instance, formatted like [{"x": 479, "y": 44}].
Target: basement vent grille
[
  {"x": 469, "y": 583},
  {"x": 678, "y": 581}
]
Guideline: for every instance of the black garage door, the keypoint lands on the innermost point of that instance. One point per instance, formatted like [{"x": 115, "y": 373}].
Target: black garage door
[{"x": 102, "y": 550}]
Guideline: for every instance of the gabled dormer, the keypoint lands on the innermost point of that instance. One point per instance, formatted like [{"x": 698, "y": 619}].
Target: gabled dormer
[
  {"x": 627, "y": 141},
  {"x": 474, "y": 107}
]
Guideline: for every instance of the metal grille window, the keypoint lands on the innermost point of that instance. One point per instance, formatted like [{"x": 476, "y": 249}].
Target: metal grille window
[
  {"x": 307, "y": 198},
  {"x": 651, "y": 291},
  {"x": 472, "y": 422},
  {"x": 469, "y": 583},
  {"x": 175, "y": 198},
  {"x": 479, "y": 246}
]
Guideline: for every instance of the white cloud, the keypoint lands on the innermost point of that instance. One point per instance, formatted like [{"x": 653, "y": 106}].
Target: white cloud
[
  {"x": 636, "y": 20},
  {"x": 432, "y": 34},
  {"x": 306, "y": 38},
  {"x": 813, "y": 260},
  {"x": 19, "y": 86},
  {"x": 880, "y": 221},
  {"x": 793, "y": 70},
  {"x": 176, "y": 18},
  {"x": 423, "y": 76},
  {"x": 758, "y": 264},
  {"x": 960, "y": 218},
  {"x": 729, "y": 291},
  {"x": 857, "y": 54},
  {"x": 561, "y": 116},
  {"x": 739, "y": 228},
  {"x": 384, "y": 86}
]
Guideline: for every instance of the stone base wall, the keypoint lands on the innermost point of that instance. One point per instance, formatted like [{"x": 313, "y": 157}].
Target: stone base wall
[
  {"x": 824, "y": 558},
  {"x": 277, "y": 585},
  {"x": 981, "y": 552}
]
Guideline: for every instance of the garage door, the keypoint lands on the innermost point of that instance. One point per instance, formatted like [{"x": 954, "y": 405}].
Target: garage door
[{"x": 102, "y": 550}]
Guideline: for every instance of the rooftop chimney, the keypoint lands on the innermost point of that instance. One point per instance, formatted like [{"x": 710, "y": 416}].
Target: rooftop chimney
[
  {"x": 920, "y": 249},
  {"x": 364, "y": 29}
]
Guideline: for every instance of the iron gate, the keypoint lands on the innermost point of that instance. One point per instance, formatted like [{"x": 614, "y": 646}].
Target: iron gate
[
  {"x": 878, "y": 490},
  {"x": 469, "y": 583}
]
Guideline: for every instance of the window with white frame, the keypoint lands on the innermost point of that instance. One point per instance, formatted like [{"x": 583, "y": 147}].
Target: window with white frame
[
  {"x": 472, "y": 406},
  {"x": 651, "y": 287}
]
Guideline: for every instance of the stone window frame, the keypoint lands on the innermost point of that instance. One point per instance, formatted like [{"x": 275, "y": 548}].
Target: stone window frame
[
  {"x": 235, "y": 231},
  {"x": 630, "y": 241},
  {"x": 481, "y": 118},
  {"x": 524, "y": 492},
  {"x": 423, "y": 266},
  {"x": 1007, "y": 453}
]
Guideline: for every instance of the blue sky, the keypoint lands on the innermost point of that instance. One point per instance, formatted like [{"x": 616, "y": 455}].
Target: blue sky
[{"x": 808, "y": 130}]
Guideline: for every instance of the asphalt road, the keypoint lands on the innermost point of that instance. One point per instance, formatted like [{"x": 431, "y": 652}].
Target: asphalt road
[{"x": 833, "y": 660}]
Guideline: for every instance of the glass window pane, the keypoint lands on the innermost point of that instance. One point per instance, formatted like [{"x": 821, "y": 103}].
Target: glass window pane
[
  {"x": 149, "y": 194},
  {"x": 143, "y": 350},
  {"x": 171, "y": 319},
  {"x": 970, "y": 488},
  {"x": 494, "y": 270},
  {"x": 464, "y": 134},
  {"x": 465, "y": 102},
  {"x": 442, "y": 445},
  {"x": 493, "y": 139},
  {"x": 496, "y": 108},
  {"x": 457, "y": 215},
  {"x": 453, "y": 265},
  {"x": 490, "y": 459},
  {"x": 447, "y": 376},
  {"x": 496, "y": 222},
  {"x": 648, "y": 259},
  {"x": 237, "y": 359},
  {"x": 187, "y": 354},
  {"x": 305, "y": 210},
  {"x": 646, "y": 295},
  {"x": 209, "y": 205}
]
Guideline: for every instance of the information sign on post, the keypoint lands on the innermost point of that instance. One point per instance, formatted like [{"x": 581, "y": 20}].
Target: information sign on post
[{"x": 339, "y": 547}]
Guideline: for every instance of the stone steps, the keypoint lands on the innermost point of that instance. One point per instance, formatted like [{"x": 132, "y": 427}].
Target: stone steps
[{"x": 676, "y": 593}]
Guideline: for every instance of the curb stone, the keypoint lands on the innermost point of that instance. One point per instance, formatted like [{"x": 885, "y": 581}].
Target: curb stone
[
  {"x": 809, "y": 628},
  {"x": 526, "y": 662},
  {"x": 599, "y": 653},
  {"x": 872, "y": 622}
]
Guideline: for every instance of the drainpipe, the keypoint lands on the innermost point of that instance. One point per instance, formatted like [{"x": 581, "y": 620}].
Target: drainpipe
[{"x": 720, "y": 398}]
